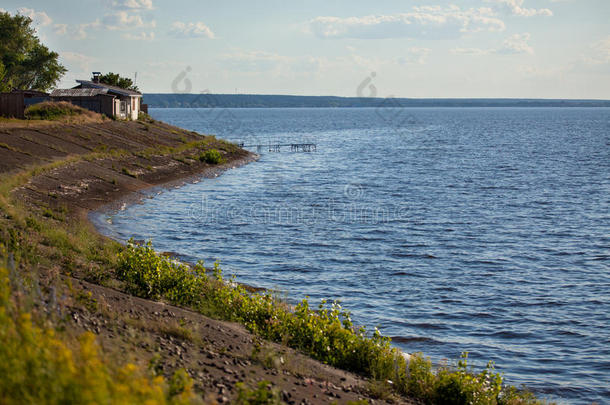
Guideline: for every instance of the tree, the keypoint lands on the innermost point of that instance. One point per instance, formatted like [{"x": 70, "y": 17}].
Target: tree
[
  {"x": 114, "y": 79},
  {"x": 25, "y": 63}
]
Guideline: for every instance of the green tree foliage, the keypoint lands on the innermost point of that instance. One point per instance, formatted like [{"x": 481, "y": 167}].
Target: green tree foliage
[
  {"x": 25, "y": 63},
  {"x": 114, "y": 79}
]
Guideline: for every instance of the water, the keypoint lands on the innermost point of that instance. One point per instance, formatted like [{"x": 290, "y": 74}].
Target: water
[{"x": 480, "y": 230}]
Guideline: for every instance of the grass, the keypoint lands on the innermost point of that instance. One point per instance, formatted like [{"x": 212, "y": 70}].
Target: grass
[
  {"x": 173, "y": 329},
  {"x": 13, "y": 149},
  {"x": 128, "y": 172},
  {"x": 57, "y": 214},
  {"x": 52, "y": 111},
  {"x": 61, "y": 241}
]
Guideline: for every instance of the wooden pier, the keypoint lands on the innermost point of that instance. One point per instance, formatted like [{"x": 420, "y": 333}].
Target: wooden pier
[{"x": 277, "y": 147}]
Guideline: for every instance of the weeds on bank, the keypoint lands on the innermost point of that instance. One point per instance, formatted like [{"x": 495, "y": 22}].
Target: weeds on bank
[
  {"x": 325, "y": 333},
  {"x": 72, "y": 240},
  {"x": 263, "y": 394},
  {"x": 37, "y": 363},
  {"x": 128, "y": 172},
  {"x": 38, "y": 366},
  {"x": 25, "y": 230}
]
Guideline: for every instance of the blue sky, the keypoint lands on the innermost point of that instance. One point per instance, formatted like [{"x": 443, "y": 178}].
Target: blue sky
[{"x": 422, "y": 48}]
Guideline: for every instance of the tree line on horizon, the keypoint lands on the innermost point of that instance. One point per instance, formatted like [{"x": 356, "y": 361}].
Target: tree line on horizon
[{"x": 207, "y": 100}]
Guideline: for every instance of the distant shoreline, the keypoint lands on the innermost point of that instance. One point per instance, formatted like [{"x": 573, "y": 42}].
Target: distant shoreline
[{"x": 207, "y": 100}]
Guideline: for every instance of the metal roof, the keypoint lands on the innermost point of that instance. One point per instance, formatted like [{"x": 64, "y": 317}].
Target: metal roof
[
  {"x": 30, "y": 92},
  {"x": 77, "y": 92},
  {"x": 111, "y": 89}
]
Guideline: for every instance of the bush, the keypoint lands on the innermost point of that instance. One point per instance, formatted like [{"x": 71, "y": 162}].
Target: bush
[
  {"x": 211, "y": 156},
  {"x": 150, "y": 276},
  {"x": 326, "y": 333},
  {"x": 54, "y": 110}
]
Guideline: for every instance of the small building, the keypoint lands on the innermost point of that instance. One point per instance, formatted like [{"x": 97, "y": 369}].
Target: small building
[
  {"x": 97, "y": 100},
  {"x": 102, "y": 98},
  {"x": 13, "y": 104}
]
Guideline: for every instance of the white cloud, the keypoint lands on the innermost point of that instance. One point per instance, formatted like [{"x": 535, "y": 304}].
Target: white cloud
[
  {"x": 60, "y": 29},
  {"x": 423, "y": 22},
  {"x": 414, "y": 55},
  {"x": 515, "y": 7},
  {"x": 39, "y": 17},
  {"x": 118, "y": 21},
  {"x": 191, "y": 30},
  {"x": 122, "y": 20},
  {"x": 143, "y": 36},
  {"x": 513, "y": 45},
  {"x": 132, "y": 4},
  {"x": 81, "y": 30}
]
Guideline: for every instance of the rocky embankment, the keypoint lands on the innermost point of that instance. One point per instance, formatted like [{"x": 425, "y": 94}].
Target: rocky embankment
[{"x": 55, "y": 174}]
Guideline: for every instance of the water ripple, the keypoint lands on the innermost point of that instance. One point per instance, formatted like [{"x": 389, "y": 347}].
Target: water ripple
[{"x": 464, "y": 229}]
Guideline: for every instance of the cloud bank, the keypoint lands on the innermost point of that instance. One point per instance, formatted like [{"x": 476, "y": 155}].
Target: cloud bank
[
  {"x": 515, "y": 7},
  {"x": 132, "y": 4},
  {"x": 423, "y": 22}
]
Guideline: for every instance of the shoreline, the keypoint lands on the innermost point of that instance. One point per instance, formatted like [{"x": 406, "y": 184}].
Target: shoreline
[
  {"x": 52, "y": 176},
  {"x": 95, "y": 215},
  {"x": 72, "y": 170},
  {"x": 136, "y": 196}
]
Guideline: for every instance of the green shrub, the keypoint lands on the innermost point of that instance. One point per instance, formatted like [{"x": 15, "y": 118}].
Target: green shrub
[
  {"x": 142, "y": 116},
  {"x": 148, "y": 275},
  {"x": 128, "y": 172},
  {"x": 325, "y": 333},
  {"x": 262, "y": 395},
  {"x": 211, "y": 156},
  {"x": 54, "y": 110}
]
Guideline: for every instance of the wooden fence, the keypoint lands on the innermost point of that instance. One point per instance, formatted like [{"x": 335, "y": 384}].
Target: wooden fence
[{"x": 12, "y": 105}]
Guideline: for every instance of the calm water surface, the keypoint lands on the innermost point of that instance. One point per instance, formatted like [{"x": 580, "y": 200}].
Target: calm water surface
[{"x": 480, "y": 230}]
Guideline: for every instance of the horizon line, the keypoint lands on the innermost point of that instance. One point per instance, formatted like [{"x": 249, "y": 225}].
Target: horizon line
[{"x": 383, "y": 98}]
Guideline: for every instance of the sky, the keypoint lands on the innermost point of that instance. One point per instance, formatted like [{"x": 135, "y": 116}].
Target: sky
[{"x": 421, "y": 48}]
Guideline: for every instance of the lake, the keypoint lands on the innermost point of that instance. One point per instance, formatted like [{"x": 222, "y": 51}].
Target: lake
[{"x": 484, "y": 230}]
